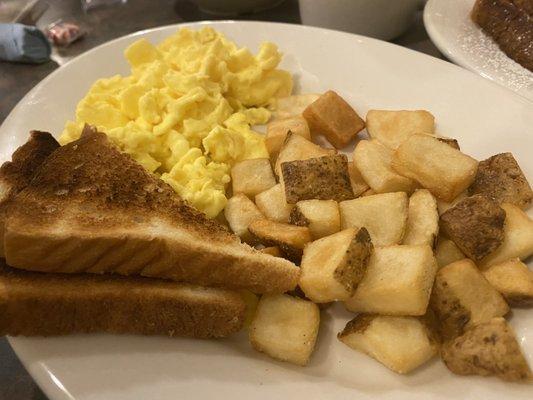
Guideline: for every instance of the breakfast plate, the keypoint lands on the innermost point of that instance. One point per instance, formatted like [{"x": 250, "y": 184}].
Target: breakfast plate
[
  {"x": 449, "y": 26},
  {"x": 484, "y": 117}
]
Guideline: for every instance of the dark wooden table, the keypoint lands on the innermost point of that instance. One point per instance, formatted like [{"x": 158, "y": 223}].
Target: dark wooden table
[{"x": 103, "y": 24}]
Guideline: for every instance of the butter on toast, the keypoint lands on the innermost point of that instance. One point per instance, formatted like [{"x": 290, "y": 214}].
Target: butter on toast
[
  {"x": 17, "y": 173},
  {"x": 91, "y": 208},
  {"x": 39, "y": 304}
]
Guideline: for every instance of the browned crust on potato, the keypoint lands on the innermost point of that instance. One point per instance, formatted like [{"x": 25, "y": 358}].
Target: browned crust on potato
[
  {"x": 353, "y": 266},
  {"x": 357, "y": 325},
  {"x": 450, "y": 142}
]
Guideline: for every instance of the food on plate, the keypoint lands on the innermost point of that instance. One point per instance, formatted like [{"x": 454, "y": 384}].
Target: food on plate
[
  {"x": 500, "y": 178},
  {"x": 489, "y": 348},
  {"x": 91, "y": 208},
  {"x": 400, "y": 343},
  {"x": 290, "y": 239},
  {"x": 36, "y": 304},
  {"x": 398, "y": 281},
  {"x": 322, "y": 178},
  {"x": 290, "y": 106},
  {"x": 330, "y": 115},
  {"x": 272, "y": 250},
  {"x": 517, "y": 237},
  {"x": 450, "y": 142},
  {"x": 333, "y": 266},
  {"x": 273, "y": 204},
  {"x": 186, "y": 108},
  {"x": 240, "y": 212},
  {"x": 476, "y": 225},
  {"x": 391, "y": 128},
  {"x": 252, "y": 176},
  {"x": 373, "y": 161},
  {"x": 320, "y": 216},
  {"x": 359, "y": 186},
  {"x": 447, "y": 252},
  {"x": 513, "y": 280},
  {"x": 463, "y": 298},
  {"x": 441, "y": 169},
  {"x": 510, "y": 24},
  {"x": 17, "y": 173},
  {"x": 422, "y": 219},
  {"x": 285, "y": 328},
  {"x": 278, "y": 129},
  {"x": 383, "y": 215}
]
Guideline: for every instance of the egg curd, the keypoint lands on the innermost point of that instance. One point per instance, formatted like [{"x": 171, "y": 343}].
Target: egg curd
[{"x": 185, "y": 112}]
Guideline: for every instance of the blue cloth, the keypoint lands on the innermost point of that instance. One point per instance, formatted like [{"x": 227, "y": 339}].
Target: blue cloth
[{"x": 23, "y": 43}]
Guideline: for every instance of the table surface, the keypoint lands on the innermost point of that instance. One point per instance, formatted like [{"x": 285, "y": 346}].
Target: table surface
[{"x": 103, "y": 24}]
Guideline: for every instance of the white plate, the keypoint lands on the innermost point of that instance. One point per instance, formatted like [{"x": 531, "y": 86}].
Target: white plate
[
  {"x": 486, "y": 119},
  {"x": 449, "y": 26}
]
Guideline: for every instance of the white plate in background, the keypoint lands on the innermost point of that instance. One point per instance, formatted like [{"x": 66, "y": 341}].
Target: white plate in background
[{"x": 484, "y": 117}]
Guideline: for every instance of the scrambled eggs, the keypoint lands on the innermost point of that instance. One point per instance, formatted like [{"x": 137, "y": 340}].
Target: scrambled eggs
[{"x": 186, "y": 109}]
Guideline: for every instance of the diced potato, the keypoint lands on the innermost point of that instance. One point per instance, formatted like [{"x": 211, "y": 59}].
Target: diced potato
[
  {"x": 398, "y": 281},
  {"x": 422, "y": 220},
  {"x": 400, "y": 343},
  {"x": 252, "y": 177},
  {"x": 450, "y": 142},
  {"x": 500, "y": 178},
  {"x": 289, "y": 238},
  {"x": 517, "y": 237},
  {"x": 369, "y": 192},
  {"x": 322, "y": 178},
  {"x": 240, "y": 212},
  {"x": 475, "y": 224},
  {"x": 441, "y": 169},
  {"x": 294, "y": 105},
  {"x": 489, "y": 348},
  {"x": 296, "y": 147},
  {"x": 393, "y": 127},
  {"x": 463, "y": 298},
  {"x": 373, "y": 160},
  {"x": 444, "y": 206},
  {"x": 333, "y": 266},
  {"x": 272, "y": 250},
  {"x": 277, "y": 133},
  {"x": 513, "y": 280},
  {"x": 285, "y": 328},
  {"x": 359, "y": 186},
  {"x": 447, "y": 252},
  {"x": 273, "y": 205},
  {"x": 331, "y": 116},
  {"x": 383, "y": 215},
  {"x": 322, "y": 217}
]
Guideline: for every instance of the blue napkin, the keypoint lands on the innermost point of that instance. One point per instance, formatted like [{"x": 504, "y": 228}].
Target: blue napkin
[{"x": 23, "y": 43}]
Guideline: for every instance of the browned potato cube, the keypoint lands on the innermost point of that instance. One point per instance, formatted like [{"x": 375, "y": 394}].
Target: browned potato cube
[
  {"x": 333, "y": 266},
  {"x": 323, "y": 178},
  {"x": 463, "y": 298},
  {"x": 331, "y": 116},
  {"x": 393, "y": 127},
  {"x": 273, "y": 205},
  {"x": 447, "y": 252},
  {"x": 321, "y": 216},
  {"x": 294, "y": 105},
  {"x": 277, "y": 131},
  {"x": 252, "y": 177},
  {"x": 289, "y": 238},
  {"x": 489, "y": 348},
  {"x": 513, "y": 280},
  {"x": 423, "y": 219},
  {"x": 500, "y": 178},
  {"x": 359, "y": 186},
  {"x": 240, "y": 212},
  {"x": 272, "y": 250},
  {"x": 450, "y": 142},
  {"x": 441, "y": 169}
]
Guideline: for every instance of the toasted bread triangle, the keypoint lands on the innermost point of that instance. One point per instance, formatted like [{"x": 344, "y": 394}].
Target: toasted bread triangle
[{"x": 91, "y": 208}]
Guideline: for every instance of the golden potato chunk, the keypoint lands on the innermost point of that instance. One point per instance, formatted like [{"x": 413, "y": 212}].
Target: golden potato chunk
[
  {"x": 322, "y": 217},
  {"x": 463, "y": 298},
  {"x": 500, "y": 178},
  {"x": 277, "y": 131},
  {"x": 322, "y": 178},
  {"x": 489, "y": 348},
  {"x": 333, "y": 266},
  {"x": 441, "y": 169},
  {"x": 400, "y": 343},
  {"x": 398, "y": 281},
  {"x": 330, "y": 115},
  {"x": 240, "y": 212},
  {"x": 273, "y": 204},
  {"x": 383, "y": 215},
  {"x": 517, "y": 237},
  {"x": 252, "y": 177},
  {"x": 373, "y": 160},
  {"x": 393, "y": 127},
  {"x": 447, "y": 252},
  {"x": 513, "y": 280},
  {"x": 359, "y": 186},
  {"x": 422, "y": 220},
  {"x": 475, "y": 224},
  {"x": 294, "y": 105},
  {"x": 285, "y": 328}
]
